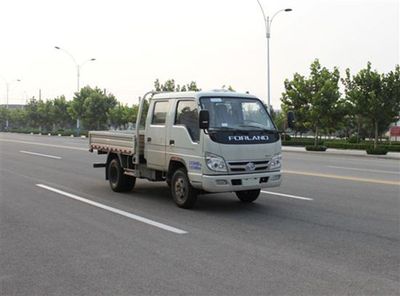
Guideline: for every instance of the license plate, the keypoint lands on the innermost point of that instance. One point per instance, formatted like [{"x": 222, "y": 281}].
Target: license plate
[{"x": 250, "y": 182}]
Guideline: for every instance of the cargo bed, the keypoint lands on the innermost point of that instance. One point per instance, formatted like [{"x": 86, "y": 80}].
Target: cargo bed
[{"x": 116, "y": 141}]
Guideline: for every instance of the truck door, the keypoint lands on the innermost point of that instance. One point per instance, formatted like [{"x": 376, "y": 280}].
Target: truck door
[
  {"x": 155, "y": 138},
  {"x": 184, "y": 136}
]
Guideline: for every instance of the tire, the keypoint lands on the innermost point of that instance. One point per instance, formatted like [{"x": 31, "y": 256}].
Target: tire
[
  {"x": 118, "y": 181},
  {"x": 182, "y": 192},
  {"x": 248, "y": 196},
  {"x": 129, "y": 183}
]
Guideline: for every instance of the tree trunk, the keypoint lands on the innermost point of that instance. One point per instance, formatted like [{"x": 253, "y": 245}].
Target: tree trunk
[
  {"x": 358, "y": 129},
  {"x": 284, "y": 130},
  {"x": 376, "y": 134},
  {"x": 316, "y": 136}
]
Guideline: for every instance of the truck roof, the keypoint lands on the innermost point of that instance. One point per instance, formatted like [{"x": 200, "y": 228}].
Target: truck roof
[{"x": 199, "y": 94}]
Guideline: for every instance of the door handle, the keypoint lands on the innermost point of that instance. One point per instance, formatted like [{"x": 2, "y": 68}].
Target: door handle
[
  {"x": 172, "y": 142},
  {"x": 148, "y": 139}
]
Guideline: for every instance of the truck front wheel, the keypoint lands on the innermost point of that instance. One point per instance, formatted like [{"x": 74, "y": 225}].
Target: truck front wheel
[
  {"x": 182, "y": 191},
  {"x": 118, "y": 181},
  {"x": 248, "y": 195}
]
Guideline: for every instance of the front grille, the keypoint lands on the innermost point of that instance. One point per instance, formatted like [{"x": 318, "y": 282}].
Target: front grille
[{"x": 248, "y": 166}]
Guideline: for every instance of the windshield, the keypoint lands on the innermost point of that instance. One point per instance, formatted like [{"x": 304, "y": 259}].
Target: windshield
[{"x": 237, "y": 113}]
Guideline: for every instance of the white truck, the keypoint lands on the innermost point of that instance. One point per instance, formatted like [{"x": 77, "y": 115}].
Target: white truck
[{"x": 198, "y": 142}]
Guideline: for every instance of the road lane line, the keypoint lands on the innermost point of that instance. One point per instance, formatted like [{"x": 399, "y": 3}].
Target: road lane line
[
  {"x": 40, "y": 154},
  {"x": 364, "y": 170},
  {"x": 288, "y": 195},
  {"x": 47, "y": 145},
  {"x": 114, "y": 210},
  {"x": 342, "y": 177}
]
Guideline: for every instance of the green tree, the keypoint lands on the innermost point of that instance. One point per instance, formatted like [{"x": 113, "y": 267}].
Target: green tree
[
  {"x": 131, "y": 114},
  {"x": 4, "y": 114},
  {"x": 33, "y": 112},
  {"x": 17, "y": 118},
  {"x": 279, "y": 118},
  {"x": 296, "y": 99},
  {"x": 46, "y": 118},
  {"x": 39, "y": 114},
  {"x": 315, "y": 100},
  {"x": 374, "y": 97},
  {"x": 61, "y": 117},
  {"x": 91, "y": 106},
  {"x": 120, "y": 116},
  {"x": 167, "y": 86},
  {"x": 96, "y": 107},
  {"x": 354, "y": 105},
  {"x": 76, "y": 107},
  {"x": 229, "y": 88},
  {"x": 171, "y": 86}
]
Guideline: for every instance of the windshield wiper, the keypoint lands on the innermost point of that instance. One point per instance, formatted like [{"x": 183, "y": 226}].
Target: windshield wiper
[
  {"x": 259, "y": 127},
  {"x": 228, "y": 128}
]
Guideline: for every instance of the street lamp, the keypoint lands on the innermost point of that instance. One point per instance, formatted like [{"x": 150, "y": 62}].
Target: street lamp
[
  {"x": 268, "y": 23},
  {"x": 78, "y": 66},
  {"x": 7, "y": 94},
  {"x": 78, "y": 74}
]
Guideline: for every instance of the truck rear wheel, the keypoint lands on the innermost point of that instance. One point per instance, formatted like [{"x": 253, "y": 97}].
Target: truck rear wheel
[
  {"x": 118, "y": 181},
  {"x": 182, "y": 191},
  {"x": 248, "y": 195}
]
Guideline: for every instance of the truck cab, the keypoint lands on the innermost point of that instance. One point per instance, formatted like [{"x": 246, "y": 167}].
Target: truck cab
[{"x": 203, "y": 142}]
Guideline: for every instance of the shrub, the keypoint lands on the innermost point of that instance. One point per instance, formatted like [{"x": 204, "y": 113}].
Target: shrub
[
  {"x": 316, "y": 148},
  {"x": 377, "y": 151},
  {"x": 352, "y": 140},
  {"x": 392, "y": 148},
  {"x": 286, "y": 137},
  {"x": 344, "y": 145},
  {"x": 24, "y": 130},
  {"x": 300, "y": 142}
]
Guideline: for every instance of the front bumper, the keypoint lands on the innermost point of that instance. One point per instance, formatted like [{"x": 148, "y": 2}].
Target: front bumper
[{"x": 229, "y": 183}]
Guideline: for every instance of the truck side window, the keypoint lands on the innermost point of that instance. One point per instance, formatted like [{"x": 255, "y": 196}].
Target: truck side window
[
  {"x": 159, "y": 113},
  {"x": 187, "y": 115}
]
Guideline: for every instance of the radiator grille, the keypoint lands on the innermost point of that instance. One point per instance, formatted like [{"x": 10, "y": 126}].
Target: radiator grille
[{"x": 248, "y": 166}]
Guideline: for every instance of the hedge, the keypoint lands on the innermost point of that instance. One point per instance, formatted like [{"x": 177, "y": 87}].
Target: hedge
[
  {"x": 377, "y": 151},
  {"x": 302, "y": 142},
  {"x": 316, "y": 148},
  {"x": 54, "y": 133}
]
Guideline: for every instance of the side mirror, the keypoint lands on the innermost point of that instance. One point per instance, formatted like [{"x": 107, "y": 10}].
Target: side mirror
[
  {"x": 290, "y": 119},
  {"x": 204, "y": 119}
]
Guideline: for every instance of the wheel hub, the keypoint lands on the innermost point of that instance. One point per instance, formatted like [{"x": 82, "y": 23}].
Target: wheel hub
[{"x": 180, "y": 189}]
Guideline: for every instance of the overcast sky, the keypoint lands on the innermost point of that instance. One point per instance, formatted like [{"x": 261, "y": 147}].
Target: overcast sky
[{"x": 213, "y": 42}]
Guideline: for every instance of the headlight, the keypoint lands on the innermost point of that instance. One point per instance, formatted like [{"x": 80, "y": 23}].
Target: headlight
[
  {"x": 215, "y": 163},
  {"x": 275, "y": 162}
]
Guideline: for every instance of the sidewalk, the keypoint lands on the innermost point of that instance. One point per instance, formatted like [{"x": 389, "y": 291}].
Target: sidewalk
[{"x": 347, "y": 152}]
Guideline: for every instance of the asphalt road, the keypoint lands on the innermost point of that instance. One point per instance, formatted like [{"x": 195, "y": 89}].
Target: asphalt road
[{"x": 334, "y": 231}]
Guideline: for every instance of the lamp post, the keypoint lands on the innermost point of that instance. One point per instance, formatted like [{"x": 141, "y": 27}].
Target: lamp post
[
  {"x": 78, "y": 74},
  {"x": 268, "y": 23},
  {"x": 7, "y": 95}
]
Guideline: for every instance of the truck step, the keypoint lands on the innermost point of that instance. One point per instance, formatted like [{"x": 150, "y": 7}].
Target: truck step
[{"x": 130, "y": 173}]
